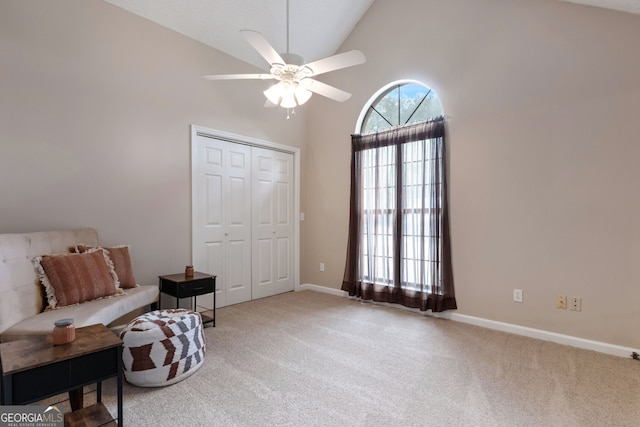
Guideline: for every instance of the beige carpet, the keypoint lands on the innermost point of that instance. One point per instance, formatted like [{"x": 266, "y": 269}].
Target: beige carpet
[{"x": 311, "y": 359}]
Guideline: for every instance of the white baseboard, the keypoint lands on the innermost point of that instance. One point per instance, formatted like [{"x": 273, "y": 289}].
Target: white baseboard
[
  {"x": 323, "y": 289},
  {"x": 572, "y": 341}
]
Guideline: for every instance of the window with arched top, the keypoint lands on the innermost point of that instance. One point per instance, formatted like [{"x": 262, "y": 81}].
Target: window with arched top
[
  {"x": 400, "y": 104},
  {"x": 399, "y": 250}
]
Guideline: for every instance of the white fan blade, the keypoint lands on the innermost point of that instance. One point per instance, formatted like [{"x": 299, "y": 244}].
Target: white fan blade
[
  {"x": 238, "y": 76},
  {"x": 325, "y": 90},
  {"x": 336, "y": 62},
  {"x": 263, "y": 47}
]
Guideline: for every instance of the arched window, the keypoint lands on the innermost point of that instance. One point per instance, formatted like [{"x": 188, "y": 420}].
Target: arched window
[
  {"x": 399, "y": 104},
  {"x": 399, "y": 249}
]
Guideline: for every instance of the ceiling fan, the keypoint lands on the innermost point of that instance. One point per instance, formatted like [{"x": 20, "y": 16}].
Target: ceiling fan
[{"x": 295, "y": 78}]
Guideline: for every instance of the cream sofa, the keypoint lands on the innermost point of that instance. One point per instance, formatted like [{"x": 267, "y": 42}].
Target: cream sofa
[{"x": 22, "y": 298}]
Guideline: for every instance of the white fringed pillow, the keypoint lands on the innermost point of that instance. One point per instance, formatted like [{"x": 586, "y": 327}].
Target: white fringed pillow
[{"x": 70, "y": 279}]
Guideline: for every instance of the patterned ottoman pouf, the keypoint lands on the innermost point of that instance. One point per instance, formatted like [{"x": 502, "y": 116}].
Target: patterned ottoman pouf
[{"x": 162, "y": 347}]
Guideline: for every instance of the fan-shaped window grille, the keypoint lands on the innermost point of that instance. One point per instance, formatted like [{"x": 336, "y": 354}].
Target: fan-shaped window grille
[{"x": 399, "y": 105}]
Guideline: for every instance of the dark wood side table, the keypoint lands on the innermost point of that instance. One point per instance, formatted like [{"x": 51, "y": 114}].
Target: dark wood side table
[
  {"x": 34, "y": 369},
  {"x": 180, "y": 286}
]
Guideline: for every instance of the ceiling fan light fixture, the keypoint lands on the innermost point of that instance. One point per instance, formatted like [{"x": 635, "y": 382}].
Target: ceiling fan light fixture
[
  {"x": 302, "y": 94},
  {"x": 288, "y": 101},
  {"x": 287, "y": 94},
  {"x": 287, "y": 89},
  {"x": 274, "y": 93}
]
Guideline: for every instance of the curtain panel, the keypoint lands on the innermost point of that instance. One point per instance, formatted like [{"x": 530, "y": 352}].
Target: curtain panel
[{"x": 399, "y": 248}]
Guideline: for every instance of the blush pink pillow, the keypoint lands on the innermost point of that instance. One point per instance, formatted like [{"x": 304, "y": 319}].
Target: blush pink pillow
[{"x": 119, "y": 255}]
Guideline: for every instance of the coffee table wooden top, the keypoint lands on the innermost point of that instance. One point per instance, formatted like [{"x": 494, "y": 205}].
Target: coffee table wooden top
[{"x": 32, "y": 352}]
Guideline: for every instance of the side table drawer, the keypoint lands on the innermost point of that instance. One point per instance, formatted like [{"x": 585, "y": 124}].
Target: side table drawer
[
  {"x": 48, "y": 380},
  {"x": 199, "y": 287}
]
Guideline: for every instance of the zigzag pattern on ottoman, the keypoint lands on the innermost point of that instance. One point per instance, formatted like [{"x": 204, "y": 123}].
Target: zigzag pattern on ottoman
[{"x": 162, "y": 347}]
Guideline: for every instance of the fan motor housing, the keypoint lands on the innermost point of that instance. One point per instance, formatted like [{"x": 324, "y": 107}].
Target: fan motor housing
[{"x": 292, "y": 58}]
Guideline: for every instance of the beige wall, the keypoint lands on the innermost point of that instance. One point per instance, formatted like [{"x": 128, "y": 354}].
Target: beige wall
[
  {"x": 543, "y": 99},
  {"x": 95, "y": 112}
]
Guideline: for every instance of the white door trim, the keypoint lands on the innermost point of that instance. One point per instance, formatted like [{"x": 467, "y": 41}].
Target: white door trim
[{"x": 254, "y": 142}]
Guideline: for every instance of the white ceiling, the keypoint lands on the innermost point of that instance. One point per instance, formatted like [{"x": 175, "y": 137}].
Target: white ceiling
[
  {"x": 631, "y": 6},
  {"x": 317, "y": 28}
]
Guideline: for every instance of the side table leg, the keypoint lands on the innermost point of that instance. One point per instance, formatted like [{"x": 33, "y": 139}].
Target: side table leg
[
  {"x": 120, "y": 380},
  {"x": 76, "y": 399},
  {"x": 6, "y": 390}
]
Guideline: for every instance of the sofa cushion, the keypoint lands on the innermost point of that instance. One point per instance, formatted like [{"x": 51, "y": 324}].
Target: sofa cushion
[
  {"x": 105, "y": 311},
  {"x": 119, "y": 255},
  {"x": 71, "y": 279}
]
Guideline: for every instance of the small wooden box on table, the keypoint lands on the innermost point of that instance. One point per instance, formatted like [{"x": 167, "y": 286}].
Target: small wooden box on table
[
  {"x": 34, "y": 369},
  {"x": 181, "y": 286}
]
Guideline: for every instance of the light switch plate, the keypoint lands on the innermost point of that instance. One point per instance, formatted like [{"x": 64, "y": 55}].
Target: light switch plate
[{"x": 517, "y": 295}]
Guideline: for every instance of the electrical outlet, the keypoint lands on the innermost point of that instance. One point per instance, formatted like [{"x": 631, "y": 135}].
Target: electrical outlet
[
  {"x": 517, "y": 295},
  {"x": 575, "y": 303},
  {"x": 322, "y": 266},
  {"x": 561, "y": 301}
]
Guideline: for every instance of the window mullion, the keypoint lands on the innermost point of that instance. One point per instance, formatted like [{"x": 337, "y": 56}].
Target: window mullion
[
  {"x": 399, "y": 221},
  {"x": 380, "y": 114},
  {"x": 418, "y": 106}
]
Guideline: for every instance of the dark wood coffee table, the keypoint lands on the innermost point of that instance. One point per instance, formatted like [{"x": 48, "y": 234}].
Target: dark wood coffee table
[{"x": 34, "y": 369}]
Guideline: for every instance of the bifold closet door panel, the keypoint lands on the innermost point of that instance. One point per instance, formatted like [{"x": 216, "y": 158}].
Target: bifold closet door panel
[
  {"x": 222, "y": 217},
  {"x": 272, "y": 198}
]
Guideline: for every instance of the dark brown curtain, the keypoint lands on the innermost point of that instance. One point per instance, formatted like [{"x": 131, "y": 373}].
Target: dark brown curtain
[{"x": 399, "y": 249}]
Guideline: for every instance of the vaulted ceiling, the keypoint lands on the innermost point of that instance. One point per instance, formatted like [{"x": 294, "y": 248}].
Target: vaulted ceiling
[{"x": 317, "y": 28}]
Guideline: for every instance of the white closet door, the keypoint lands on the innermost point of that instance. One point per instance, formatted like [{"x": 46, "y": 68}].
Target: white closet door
[
  {"x": 222, "y": 217},
  {"x": 273, "y": 242}
]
